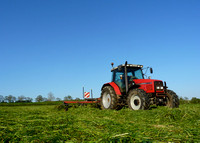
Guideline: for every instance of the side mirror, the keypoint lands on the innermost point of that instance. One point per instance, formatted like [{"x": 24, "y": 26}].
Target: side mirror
[{"x": 151, "y": 70}]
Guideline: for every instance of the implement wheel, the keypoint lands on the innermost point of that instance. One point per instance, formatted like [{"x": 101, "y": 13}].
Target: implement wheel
[
  {"x": 172, "y": 99},
  {"x": 138, "y": 99},
  {"x": 108, "y": 98}
]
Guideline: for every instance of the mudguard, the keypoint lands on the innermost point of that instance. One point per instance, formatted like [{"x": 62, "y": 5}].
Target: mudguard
[{"x": 115, "y": 87}]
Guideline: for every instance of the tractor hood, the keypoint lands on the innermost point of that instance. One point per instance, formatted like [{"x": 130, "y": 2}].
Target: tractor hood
[
  {"x": 148, "y": 85},
  {"x": 145, "y": 81}
]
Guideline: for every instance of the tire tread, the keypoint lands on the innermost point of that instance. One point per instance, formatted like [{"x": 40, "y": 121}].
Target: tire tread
[
  {"x": 173, "y": 101},
  {"x": 143, "y": 96},
  {"x": 113, "y": 97}
]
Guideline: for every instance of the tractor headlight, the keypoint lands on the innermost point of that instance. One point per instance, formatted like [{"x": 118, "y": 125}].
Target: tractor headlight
[{"x": 159, "y": 87}]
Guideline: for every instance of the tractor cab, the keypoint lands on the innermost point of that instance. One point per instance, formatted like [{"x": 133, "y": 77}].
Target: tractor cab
[{"x": 119, "y": 75}]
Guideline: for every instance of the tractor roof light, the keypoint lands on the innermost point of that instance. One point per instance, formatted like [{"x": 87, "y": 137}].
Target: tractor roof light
[
  {"x": 112, "y": 64},
  {"x": 128, "y": 65}
]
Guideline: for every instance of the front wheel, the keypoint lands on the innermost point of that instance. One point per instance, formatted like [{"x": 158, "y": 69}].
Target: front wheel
[
  {"x": 138, "y": 100},
  {"x": 172, "y": 99}
]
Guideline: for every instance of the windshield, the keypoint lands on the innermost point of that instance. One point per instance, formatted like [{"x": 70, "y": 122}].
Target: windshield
[{"x": 134, "y": 73}]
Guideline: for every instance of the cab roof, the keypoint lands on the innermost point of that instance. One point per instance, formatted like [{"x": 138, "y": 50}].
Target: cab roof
[{"x": 128, "y": 65}]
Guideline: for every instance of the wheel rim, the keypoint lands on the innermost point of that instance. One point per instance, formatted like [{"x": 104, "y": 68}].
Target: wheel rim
[
  {"x": 106, "y": 100},
  {"x": 135, "y": 102}
]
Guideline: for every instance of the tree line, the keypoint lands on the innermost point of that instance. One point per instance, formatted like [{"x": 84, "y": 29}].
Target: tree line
[
  {"x": 185, "y": 100},
  {"x": 39, "y": 98},
  {"x": 51, "y": 97},
  {"x": 11, "y": 98}
]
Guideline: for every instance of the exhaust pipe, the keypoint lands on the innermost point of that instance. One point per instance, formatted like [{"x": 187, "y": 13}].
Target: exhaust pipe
[{"x": 126, "y": 78}]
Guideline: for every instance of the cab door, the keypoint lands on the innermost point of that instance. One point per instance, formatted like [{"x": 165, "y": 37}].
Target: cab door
[{"x": 119, "y": 79}]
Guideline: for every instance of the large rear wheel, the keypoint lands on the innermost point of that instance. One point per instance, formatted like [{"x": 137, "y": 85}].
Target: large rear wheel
[
  {"x": 138, "y": 99},
  {"x": 172, "y": 99},
  {"x": 108, "y": 98}
]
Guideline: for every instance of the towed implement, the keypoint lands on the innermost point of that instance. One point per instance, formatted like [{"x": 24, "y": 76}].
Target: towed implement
[{"x": 129, "y": 88}]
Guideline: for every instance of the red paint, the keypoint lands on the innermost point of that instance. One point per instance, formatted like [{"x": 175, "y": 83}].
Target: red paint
[
  {"x": 115, "y": 87},
  {"x": 147, "y": 85}
]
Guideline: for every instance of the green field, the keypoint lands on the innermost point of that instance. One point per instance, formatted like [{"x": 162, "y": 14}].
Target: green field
[{"x": 45, "y": 123}]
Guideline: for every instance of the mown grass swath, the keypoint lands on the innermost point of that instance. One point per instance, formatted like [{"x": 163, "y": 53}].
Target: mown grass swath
[
  {"x": 48, "y": 124},
  {"x": 32, "y": 103}
]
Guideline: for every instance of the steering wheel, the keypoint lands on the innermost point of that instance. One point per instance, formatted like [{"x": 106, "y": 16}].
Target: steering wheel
[{"x": 132, "y": 78}]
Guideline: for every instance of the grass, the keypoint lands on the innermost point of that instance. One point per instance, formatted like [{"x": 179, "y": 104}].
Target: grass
[
  {"x": 85, "y": 124},
  {"x": 32, "y": 103}
]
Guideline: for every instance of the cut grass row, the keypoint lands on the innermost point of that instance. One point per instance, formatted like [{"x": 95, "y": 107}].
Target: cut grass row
[
  {"x": 83, "y": 124},
  {"x": 32, "y": 103}
]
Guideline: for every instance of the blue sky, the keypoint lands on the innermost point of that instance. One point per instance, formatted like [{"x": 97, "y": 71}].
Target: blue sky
[{"x": 61, "y": 46}]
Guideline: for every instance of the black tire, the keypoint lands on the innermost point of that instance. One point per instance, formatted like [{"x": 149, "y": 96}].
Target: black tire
[
  {"x": 108, "y": 98},
  {"x": 172, "y": 99},
  {"x": 138, "y": 99}
]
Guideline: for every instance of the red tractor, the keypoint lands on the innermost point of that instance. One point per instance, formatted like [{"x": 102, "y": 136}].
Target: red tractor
[{"x": 129, "y": 87}]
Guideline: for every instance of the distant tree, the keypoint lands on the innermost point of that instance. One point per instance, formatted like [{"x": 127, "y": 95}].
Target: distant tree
[
  {"x": 21, "y": 98},
  {"x": 28, "y": 99},
  {"x": 50, "y": 96},
  {"x": 1, "y": 98},
  {"x": 45, "y": 99},
  {"x": 195, "y": 100},
  {"x": 10, "y": 98},
  {"x": 183, "y": 100},
  {"x": 14, "y": 99},
  {"x": 6, "y": 98},
  {"x": 58, "y": 99},
  {"x": 68, "y": 97},
  {"x": 39, "y": 98},
  {"x": 77, "y": 98}
]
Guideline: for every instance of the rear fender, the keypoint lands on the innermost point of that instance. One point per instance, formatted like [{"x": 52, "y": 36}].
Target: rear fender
[{"x": 115, "y": 87}]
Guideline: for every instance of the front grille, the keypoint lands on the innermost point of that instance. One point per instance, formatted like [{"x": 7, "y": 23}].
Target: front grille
[{"x": 158, "y": 84}]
